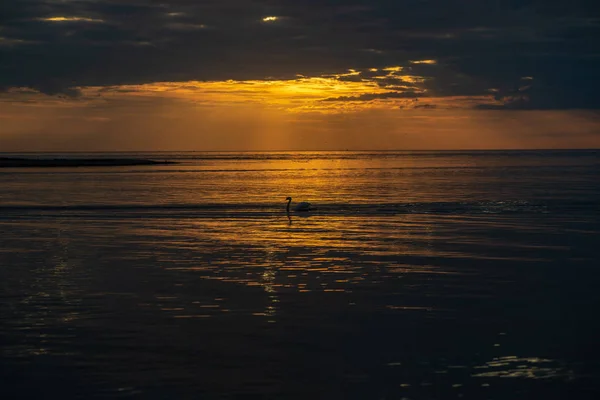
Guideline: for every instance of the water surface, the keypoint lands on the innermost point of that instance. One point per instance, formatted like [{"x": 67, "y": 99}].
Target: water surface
[{"x": 418, "y": 275}]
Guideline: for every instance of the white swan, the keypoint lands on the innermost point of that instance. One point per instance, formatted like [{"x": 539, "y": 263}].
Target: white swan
[{"x": 304, "y": 206}]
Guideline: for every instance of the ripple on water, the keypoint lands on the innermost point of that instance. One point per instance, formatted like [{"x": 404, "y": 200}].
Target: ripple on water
[{"x": 523, "y": 367}]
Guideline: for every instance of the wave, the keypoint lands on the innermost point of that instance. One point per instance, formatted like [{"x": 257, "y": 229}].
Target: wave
[
  {"x": 267, "y": 210},
  {"x": 311, "y": 155},
  {"x": 590, "y": 168},
  {"x": 357, "y": 155}
]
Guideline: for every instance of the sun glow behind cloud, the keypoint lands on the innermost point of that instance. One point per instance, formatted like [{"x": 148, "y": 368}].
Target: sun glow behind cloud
[
  {"x": 430, "y": 62},
  {"x": 372, "y": 108},
  {"x": 352, "y": 91},
  {"x": 71, "y": 19},
  {"x": 330, "y": 94},
  {"x": 308, "y": 112}
]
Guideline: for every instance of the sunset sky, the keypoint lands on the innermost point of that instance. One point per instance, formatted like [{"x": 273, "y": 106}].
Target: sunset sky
[{"x": 126, "y": 75}]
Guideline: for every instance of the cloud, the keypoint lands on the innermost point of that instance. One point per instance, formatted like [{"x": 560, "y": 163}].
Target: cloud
[
  {"x": 374, "y": 96},
  {"x": 459, "y": 47},
  {"x": 576, "y": 91}
]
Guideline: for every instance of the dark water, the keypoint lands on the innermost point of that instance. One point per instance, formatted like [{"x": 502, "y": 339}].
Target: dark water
[{"x": 418, "y": 275}]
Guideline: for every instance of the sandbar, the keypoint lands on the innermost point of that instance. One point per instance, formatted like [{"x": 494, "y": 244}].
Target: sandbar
[{"x": 12, "y": 162}]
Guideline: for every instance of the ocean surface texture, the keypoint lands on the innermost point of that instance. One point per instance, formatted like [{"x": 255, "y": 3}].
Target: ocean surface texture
[{"x": 418, "y": 275}]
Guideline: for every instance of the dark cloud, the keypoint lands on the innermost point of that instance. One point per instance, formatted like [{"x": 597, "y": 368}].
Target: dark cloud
[{"x": 479, "y": 45}]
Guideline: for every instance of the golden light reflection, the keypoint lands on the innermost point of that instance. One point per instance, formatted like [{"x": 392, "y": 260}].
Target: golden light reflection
[
  {"x": 271, "y": 18},
  {"x": 283, "y": 258},
  {"x": 523, "y": 368},
  {"x": 51, "y": 302}
]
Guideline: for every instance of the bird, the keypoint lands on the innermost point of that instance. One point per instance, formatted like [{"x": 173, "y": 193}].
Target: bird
[{"x": 303, "y": 206}]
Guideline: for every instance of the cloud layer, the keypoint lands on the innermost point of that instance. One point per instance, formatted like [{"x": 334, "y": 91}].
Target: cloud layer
[{"x": 528, "y": 54}]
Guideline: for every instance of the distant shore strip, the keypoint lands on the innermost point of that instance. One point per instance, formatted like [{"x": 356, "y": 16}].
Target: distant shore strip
[{"x": 11, "y": 162}]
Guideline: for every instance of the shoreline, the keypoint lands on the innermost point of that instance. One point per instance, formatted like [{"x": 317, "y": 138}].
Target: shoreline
[{"x": 14, "y": 162}]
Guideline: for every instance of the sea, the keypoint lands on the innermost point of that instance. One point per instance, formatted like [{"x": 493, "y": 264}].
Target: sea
[{"x": 416, "y": 275}]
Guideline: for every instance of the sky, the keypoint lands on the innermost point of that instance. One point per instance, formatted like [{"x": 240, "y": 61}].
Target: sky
[{"x": 132, "y": 75}]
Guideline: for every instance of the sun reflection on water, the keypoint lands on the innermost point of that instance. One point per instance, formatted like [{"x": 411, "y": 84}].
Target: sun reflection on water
[{"x": 316, "y": 254}]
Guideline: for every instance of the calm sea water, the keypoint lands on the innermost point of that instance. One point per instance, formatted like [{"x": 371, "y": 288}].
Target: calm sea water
[{"x": 419, "y": 275}]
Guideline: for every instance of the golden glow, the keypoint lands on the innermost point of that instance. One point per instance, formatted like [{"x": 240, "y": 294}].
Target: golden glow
[
  {"x": 71, "y": 19},
  {"x": 431, "y": 62},
  {"x": 351, "y": 72},
  {"x": 374, "y": 108},
  {"x": 394, "y": 69},
  {"x": 412, "y": 79},
  {"x": 296, "y": 95},
  {"x": 395, "y": 73},
  {"x": 270, "y": 18},
  {"x": 343, "y": 92}
]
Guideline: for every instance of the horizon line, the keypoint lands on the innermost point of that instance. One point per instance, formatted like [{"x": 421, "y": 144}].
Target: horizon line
[{"x": 290, "y": 151}]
